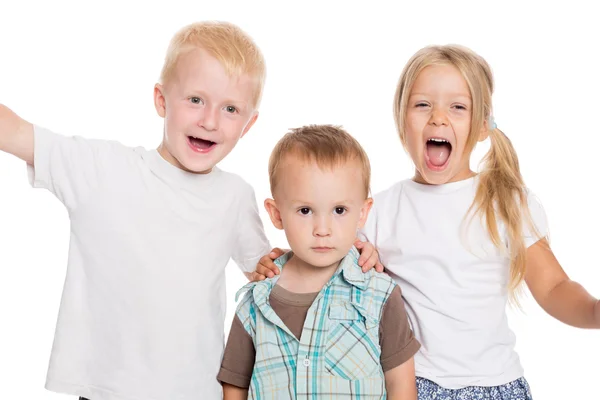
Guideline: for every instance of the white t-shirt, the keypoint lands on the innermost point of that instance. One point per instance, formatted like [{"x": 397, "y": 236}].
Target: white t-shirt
[
  {"x": 453, "y": 279},
  {"x": 143, "y": 306}
]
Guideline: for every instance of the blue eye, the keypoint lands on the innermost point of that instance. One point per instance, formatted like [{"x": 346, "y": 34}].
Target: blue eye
[
  {"x": 195, "y": 100},
  {"x": 230, "y": 109}
]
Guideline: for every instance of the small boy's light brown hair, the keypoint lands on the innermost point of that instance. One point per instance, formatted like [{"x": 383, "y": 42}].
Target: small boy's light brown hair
[
  {"x": 231, "y": 46},
  {"x": 327, "y": 145}
]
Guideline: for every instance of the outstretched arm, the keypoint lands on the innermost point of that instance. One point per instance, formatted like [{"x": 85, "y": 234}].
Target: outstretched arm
[
  {"x": 559, "y": 296},
  {"x": 16, "y": 135}
]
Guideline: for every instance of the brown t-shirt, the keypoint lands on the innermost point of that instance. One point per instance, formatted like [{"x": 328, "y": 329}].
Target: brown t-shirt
[{"x": 396, "y": 339}]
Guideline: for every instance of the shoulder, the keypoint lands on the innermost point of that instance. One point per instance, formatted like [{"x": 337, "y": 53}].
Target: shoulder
[
  {"x": 391, "y": 191},
  {"x": 380, "y": 282},
  {"x": 389, "y": 196},
  {"x": 246, "y": 306},
  {"x": 234, "y": 183},
  {"x": 47, "y": 138}
]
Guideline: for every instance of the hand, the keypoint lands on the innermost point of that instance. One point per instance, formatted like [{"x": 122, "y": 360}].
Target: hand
[
  {"x": 597, "y": 309},
  {"x": 369, "y": 257},
  {"x": 266, "y": 268}
]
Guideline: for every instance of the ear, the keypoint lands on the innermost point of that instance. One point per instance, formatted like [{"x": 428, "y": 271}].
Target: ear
[
  {"x": 159, "y": 100},
  {"x": 274, "y": 213},
  {"x": 250, "y": 123},
  {"x": 364, "y": 212},
  {"x": 485, "y": 131}
]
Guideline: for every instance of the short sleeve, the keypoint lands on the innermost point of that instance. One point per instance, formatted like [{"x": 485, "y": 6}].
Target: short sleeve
[
  {"x": 67, "y": 166},
  {"x": 538, "y": 218},
  {"x": 251, "y": 242},
  {"x": 238, "y": 359},
  {"x": 398, "y": 343}
]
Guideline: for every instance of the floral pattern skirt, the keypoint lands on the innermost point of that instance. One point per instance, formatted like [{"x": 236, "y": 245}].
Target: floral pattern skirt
[{"x": 515, "y": 390}]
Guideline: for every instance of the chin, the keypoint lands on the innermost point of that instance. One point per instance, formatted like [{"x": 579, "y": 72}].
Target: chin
[
  {"x": 435, "y": 177},
  {"x": 197, "y": 164},
  {"x": 325, "y": 260}
]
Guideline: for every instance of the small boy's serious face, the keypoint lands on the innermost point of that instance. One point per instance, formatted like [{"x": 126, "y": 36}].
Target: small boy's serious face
[
  {"x": 206, "y": 112},
  {"x": 319, "y": 209}
]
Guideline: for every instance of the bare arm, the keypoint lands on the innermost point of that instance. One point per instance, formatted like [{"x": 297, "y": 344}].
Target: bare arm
[
  {"x": 16, "y": 135},
  {"x": 400, "y": 382},
  {"x": 231, "y": 392},
  {"x": 559, "y": 296}
]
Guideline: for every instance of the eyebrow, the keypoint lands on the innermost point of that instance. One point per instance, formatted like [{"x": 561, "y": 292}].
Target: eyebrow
[
  {"x": 468, "y": 97},
  {"x": 307, "y": 203},
  {"x": 201, "y": 93}
]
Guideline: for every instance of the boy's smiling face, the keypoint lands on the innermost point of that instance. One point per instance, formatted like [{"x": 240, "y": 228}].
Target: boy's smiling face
[
  {"x": 320, "y": 209},
  {"x": 206, "y": 111}
]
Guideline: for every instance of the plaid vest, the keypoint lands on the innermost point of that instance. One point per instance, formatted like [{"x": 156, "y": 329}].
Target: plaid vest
[{"x": 338, "y": 354}]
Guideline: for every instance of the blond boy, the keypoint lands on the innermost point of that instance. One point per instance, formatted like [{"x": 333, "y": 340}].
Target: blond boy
[
  {"x": 321, "y": 329},
  {"x": 143, "y": 304}
]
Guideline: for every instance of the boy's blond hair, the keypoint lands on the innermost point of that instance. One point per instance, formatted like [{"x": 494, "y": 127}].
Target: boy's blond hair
[
  {"x": 232, "y": 47},
  {"x": 327, "y": 145}
]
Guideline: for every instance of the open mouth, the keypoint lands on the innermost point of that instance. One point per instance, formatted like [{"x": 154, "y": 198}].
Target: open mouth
[
  {"x": 199, "y": 144},
  {"x": 437, "y": 153}
]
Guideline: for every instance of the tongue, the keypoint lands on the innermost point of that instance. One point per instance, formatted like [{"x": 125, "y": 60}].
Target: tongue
[
  {"x": 200, "y": 143},
  {"x": 438, "y": 153}
]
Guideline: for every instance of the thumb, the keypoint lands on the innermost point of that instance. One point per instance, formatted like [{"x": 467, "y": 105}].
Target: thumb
[{"x": 276, "y": 253}]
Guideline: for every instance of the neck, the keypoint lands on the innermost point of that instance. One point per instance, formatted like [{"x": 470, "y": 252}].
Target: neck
[
  {"x": 299, "y": 276},
  {"x": 456, "y": 178}
]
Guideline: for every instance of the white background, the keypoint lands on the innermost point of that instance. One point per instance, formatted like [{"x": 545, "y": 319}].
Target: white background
[{"x": 88, "y": 68}]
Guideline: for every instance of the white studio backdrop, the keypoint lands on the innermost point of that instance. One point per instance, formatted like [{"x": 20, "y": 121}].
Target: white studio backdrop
[{"x": 88, "y": 69}]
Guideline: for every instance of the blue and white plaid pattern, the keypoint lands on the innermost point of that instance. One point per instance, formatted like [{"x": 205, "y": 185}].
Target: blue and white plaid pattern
[{"x": 338, "y": 354}]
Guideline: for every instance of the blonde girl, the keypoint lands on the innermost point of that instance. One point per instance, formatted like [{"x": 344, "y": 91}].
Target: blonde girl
[{"x": 460, "y": 243}]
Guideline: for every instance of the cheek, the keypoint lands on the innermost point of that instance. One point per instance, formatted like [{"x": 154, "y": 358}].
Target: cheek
[
  {"x": 461, "y": 130},
  {"x": 413, "y": 131},
  {"x": 413, "y": 143},
  {"x": 297, "y": 226},
  {"x": 297, "y": 231},
  {"x": 174, "y": 117},
  {"x": 233, "y": 127},
  {"x": 347, "y": 227}
]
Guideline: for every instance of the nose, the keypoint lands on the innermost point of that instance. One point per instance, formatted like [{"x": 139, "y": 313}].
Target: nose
[
  {"x": 438, "y": 117},
  {"x": 322, "y": 226},
  {"x": 209, "y": 119}
]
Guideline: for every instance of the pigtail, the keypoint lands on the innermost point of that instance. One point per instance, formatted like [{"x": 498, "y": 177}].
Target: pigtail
[{"x": 501, "y": 193}]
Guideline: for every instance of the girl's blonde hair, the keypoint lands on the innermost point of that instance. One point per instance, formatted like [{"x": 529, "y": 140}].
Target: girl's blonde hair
[
  {"x": 501, "y": 191},
  {"x": 231, "y": 46}
]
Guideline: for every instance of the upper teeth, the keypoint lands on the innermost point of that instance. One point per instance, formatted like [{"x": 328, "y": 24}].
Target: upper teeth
[{"x": 438, "y": 140}]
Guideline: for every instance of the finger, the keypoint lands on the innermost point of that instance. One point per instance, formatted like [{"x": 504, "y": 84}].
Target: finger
[
  {"x": 257, "y": 277},
  {"x": 264, "y": 270},
  {"x": 270, "y": 267},
  {"x": 276, "y": 253},
  {"x": 379, "y": 267},
  {"x": 362, "y": 260},
  {"x": 373, "y": 260},
  {"x": 358, "y": 244}
]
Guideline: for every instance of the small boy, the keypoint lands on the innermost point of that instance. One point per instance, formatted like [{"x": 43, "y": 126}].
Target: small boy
[
  {"x": 321, "y": 328},
  {"x": 143, "y": 305}
]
